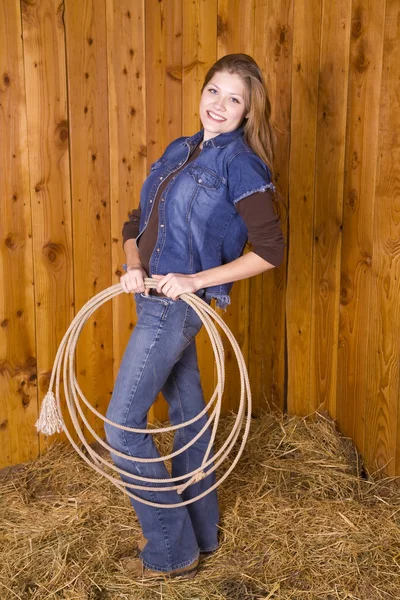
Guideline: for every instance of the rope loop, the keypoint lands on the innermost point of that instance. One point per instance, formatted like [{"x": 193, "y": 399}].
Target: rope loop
[{"x": 51, "y": 419}]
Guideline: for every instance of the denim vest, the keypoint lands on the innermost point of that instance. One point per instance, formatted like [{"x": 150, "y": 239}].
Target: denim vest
[{"x": 199, "y": 227}]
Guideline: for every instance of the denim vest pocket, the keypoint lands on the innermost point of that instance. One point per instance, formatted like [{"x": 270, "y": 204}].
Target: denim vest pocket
[
  {"x": 205, "y": 177},
  {"x": 156, "y": 165}
]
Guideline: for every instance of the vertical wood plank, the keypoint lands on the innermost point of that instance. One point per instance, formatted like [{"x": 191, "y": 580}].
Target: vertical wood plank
[
  {"x": 164, "y": 90},
  {"x": 18, "y": 374},
  {"x": 199, "y": 54},
  {"x": 305, "y": 66},
  {"x": 274, "y": 27},
  {"x": 128, "y": 151},
  {"x": 48, "y": 129},
  {"x": 367, "y": 28},
  {"x": 330, "y": 151},
  {"x": 382, "y": 411},
  {"x": 88, "y": 116},
  {"x": 164, "y": 75}
]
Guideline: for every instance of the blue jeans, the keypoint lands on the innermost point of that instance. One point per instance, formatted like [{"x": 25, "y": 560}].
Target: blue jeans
[{"x": 161, "y": 355}]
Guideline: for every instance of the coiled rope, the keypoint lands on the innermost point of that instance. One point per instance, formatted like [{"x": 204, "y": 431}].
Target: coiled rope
[{"x": 51, "y": 420}]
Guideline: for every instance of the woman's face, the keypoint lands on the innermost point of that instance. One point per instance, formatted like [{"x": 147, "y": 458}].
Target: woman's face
[{"x": 222, "y": 106}]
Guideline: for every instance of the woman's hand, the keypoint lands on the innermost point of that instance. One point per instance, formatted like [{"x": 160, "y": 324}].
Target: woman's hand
[
  {"x": 175, "y": 284},
  {"x": 133, "y": 280}
]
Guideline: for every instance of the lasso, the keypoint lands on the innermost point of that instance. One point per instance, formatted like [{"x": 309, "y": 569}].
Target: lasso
[{"x": 51, "y": 420}]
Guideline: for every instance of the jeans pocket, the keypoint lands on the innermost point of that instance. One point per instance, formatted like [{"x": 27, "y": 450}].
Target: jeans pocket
[{"x": 191, "y": 324}]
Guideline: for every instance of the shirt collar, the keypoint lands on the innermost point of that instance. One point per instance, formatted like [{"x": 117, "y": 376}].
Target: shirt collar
[{"x": 219, "y": 141}]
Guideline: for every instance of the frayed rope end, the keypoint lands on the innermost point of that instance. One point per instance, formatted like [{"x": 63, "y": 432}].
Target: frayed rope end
[{"x": 50, "y": 420}]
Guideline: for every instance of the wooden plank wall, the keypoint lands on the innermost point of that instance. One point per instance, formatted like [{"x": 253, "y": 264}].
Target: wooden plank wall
[{"x": 90, "y": 95}]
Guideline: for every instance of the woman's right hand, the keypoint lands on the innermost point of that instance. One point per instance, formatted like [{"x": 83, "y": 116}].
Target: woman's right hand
[{"x": 133, "y": 280}]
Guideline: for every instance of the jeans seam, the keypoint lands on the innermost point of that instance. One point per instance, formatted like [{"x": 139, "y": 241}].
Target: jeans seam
[
  {"x": 142, "y": 368},
  {"x": 126, "y": 446},
  {"x": 182, "y": 417},
  {"x": 158, "y": 511}
]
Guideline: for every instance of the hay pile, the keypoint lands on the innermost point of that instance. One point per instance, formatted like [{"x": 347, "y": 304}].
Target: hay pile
[{"x": 300, "y": 520}]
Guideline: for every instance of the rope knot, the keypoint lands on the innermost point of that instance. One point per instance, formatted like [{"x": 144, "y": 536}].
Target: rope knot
[{"x": 195, "y": 479}]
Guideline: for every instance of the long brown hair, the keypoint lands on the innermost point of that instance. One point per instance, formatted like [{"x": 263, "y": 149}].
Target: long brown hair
[{"x": 258, "y": 130}]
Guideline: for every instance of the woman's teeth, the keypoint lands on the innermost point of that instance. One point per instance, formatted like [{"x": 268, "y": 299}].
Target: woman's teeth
[{"x": 215, "y": 117}]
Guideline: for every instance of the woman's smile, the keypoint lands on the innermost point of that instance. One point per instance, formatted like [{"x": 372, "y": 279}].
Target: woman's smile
[{"x": 214, "y": 116}]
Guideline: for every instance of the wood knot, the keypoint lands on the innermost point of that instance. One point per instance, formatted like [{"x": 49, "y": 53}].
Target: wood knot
[
  {"x": 324, "y": 288},
  {"x": 61, "y": 133},
  {"x": 222, "y": 27},
  {"x": 352, "y": 200},
  {"x": 52, "y": 251},
  {"x": 11, "y": 241},
  {"x": 6, "y": 79},
  {"x": 31, "y": 361},
  {"x": 361, "y": 62},
  {"x": 356, "y": 27},
  {"x": 346, "y": 290}
]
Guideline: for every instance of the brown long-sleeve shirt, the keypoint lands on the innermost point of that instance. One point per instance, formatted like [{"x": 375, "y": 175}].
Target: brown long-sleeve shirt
[{"x": 256, "y": 210}]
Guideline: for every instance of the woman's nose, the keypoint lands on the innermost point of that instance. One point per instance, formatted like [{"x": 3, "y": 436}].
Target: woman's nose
[{"x": 219, "y": 104}]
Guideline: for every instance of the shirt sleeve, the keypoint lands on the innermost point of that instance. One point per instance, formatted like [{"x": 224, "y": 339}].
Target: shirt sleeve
[
  {"x": 263, "y": 226},
  {"x": 247, "y": 174},
  {"x": 130, "y": 229}
]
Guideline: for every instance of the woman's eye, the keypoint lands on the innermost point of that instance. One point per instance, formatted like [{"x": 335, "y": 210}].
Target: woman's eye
[{"x": 211, "y": 90}]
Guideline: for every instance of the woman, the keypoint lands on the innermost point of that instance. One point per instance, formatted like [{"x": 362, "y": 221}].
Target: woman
[{"x": 203, "y": 199}]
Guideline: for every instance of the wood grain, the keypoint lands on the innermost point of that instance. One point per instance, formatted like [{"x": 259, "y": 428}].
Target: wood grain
[
  {"x": 360, "y": 206},
  {"x": 273, "y": 51},
  {"x": 90, "y": 177},
  {"x": 305, "y": 74},
  {"x": 91, "y": 93},
  {"x": 127, "y": 142},
  {"x": 382, "y": 405},
  {"x": 48, "y": 139},
  {"x": 328, "y": 211},
  {"x": 18, "y": 362}
]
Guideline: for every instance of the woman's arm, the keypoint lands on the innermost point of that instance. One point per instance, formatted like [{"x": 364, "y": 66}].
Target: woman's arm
[
  {"x": 248, "y": 265},
  {"x": 133, "y": 280},
  {"x": 132, "y": 253}
]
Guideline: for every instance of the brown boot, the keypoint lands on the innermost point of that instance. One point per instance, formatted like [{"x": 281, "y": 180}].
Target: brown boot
[
  {"x": 143, "y": 541},
  {"x": 135, "y": 568}
]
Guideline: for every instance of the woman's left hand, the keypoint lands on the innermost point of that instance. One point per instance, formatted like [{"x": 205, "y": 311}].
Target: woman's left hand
[{"x": 175, "y": 284}]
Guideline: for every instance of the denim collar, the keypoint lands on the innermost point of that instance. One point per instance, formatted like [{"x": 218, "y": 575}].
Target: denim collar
[{"x": 219, "y": 141}]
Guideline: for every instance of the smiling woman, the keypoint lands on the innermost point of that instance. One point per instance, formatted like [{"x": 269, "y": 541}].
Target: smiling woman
[{"x": 204, "y": 198}]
